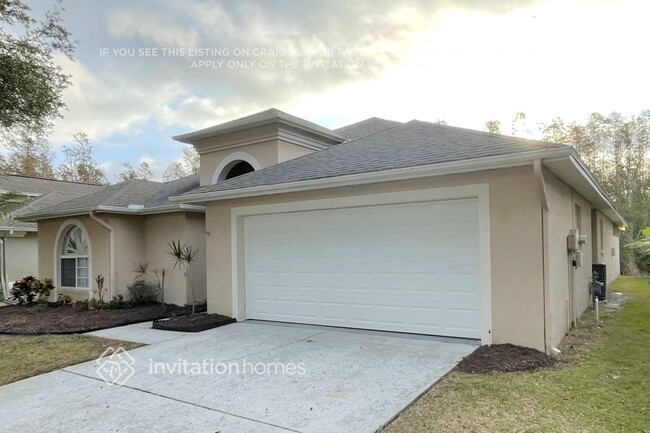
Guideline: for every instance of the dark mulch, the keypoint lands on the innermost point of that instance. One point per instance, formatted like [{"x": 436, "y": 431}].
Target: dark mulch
[
  {"x": 44, "y": 319},
  {"x": 193, "y": 323},
  {"x": 503, "y": 358}
]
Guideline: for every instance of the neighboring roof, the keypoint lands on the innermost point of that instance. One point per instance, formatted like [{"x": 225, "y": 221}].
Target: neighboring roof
[
  {"x": 135, "y": 196},
  {"x": 271, "y": 116},
  {"x": 37, "y": 186},
  {"x": 407, "y": 145},
  {"x": 367, "y": 127}
]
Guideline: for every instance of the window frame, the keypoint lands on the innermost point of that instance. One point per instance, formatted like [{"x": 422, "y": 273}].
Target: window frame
[{"x": 82, "y": 282}]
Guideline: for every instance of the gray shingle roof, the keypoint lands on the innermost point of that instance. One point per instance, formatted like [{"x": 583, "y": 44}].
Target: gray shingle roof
[
  {"x": 367, "y": 127},
  {"x": 145, "y": 193},
  {"x": 411, "y": 144},
  {"x": 33, "y": 185}
]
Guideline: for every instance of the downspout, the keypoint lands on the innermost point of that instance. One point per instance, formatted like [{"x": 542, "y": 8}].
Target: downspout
[
  {"x": 111, "y": 253},
  {"x": 541, "y": 184},
  {"x": 3, "y": 270}
]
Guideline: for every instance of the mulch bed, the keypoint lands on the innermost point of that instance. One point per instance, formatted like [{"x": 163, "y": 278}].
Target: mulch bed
[
  {"x": 504, "y": 358},
  {"x": 193, "y": 323},
  {"x": 44, "y": 319}
]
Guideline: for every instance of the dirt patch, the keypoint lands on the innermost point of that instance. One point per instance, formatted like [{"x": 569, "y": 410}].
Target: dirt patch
[
  {"x": 503, "y": 358},
  {"x": 193, "y": 323},
  {"x": 42, "y": 319}
]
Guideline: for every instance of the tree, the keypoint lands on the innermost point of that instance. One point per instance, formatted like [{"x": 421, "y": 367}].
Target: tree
[
  {"x": 79, "y": 164},
  {"x": 31, "y": 82},
  {"x": 519, "y": 125},
  {"x": 189, "y": 164},
  {"x": 9, "y": 202},
  {"x": 28, "y": 156},
  {"x": 184, "y": 255},
  {"x": 141, "y": 172},
  {"x": 493, "y": 126}
]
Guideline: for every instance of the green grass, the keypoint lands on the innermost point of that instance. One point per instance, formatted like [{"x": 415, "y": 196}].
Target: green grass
[
  {"x": 602, "y": 385},
  {"x": 26, "y": 356}
]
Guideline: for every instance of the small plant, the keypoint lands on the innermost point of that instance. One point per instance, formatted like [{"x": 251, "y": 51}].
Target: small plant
[
  {"x": 140, "y": 269},
  {"x": 63, "y": 300},
  {"x": 160, "y": 278},
  {"x": 100, "y": 291},
  {"x": 81, "y": 305},
  {"x": 184, "y": 255},
  {"x": 116, "y": 303},
  {"x": 142, "y": 292},
  {"x": 29, "y": 288},
  {"x": 96, "y": 304}
]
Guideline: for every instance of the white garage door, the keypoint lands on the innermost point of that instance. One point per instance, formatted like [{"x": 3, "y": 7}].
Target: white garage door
[{"x": 406, "y": 268}]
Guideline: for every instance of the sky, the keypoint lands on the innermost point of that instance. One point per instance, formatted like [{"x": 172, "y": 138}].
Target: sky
[{"x": 146, "y": 70}]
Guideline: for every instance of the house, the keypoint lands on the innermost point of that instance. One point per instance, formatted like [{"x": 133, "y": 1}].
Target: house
[
  {"x": 407, "y": 227},
  {"x": 19, "y": 239},
  {"x": 113, "y": 230}
]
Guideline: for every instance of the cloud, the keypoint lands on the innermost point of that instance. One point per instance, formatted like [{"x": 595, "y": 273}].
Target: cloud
[{"x": 157, "y": 28}]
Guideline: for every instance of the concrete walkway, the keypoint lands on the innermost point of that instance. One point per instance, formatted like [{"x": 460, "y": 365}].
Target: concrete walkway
[
  {"x": 138, "y": 333},
  {"x": 349, "y": 382}
]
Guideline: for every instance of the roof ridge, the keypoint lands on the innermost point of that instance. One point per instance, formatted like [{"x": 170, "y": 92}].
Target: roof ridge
[
  {"x": 490, "y": 134},
  {"x": 50, "y": 180}
]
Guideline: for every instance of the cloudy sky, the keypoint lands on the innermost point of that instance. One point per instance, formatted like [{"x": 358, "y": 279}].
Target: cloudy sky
[{"x": 149, "y": 69}]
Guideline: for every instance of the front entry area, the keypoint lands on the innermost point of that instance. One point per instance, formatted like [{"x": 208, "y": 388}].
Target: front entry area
[{"x": 410, "y": 267}]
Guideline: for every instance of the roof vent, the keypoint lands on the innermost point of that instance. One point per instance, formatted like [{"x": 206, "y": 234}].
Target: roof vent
[{"x": 136, "y": 206}]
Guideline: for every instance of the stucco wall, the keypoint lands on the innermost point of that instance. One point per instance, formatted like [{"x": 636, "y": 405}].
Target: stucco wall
[
  {"x": 21, "y": 257},
  {"x": 568, "y": 285},
  {"x": 159, "y": 230},
  {"x": 606, "y": 252},
  {"x": 516, "y": 245},
  {"x": 195, "y": 236},
  {"x": 137, "y": 239}
]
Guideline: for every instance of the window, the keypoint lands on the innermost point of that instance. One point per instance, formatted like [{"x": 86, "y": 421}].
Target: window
[{"x": 74, "y": 259}]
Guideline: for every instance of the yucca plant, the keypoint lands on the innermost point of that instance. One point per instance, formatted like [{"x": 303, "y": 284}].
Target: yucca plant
[{"x": 184, "y": 255}]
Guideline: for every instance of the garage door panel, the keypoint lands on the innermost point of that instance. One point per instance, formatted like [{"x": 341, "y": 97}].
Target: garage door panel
[{"x": 405, "y": 268}]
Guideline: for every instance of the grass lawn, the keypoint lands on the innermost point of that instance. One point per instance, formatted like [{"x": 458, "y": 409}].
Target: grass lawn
[
  {"x": 602, "y": 385},
  {"x": 26, "y": 356}
]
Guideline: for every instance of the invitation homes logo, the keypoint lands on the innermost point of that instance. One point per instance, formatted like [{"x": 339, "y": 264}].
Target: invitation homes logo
[
  {"x": 116, "y": 366},
  {"x": 239, "y": 367}
]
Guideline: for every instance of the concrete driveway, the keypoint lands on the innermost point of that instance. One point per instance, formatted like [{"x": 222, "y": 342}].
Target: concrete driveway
[{"x": 245, "y": 377}]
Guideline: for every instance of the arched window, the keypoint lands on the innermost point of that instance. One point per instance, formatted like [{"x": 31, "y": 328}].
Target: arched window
[
  {"x": 74, "y": 258},
  {"x": 235, "y": 164}
]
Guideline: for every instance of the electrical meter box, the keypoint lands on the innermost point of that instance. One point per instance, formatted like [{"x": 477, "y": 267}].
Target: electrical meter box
[{"x": 573, "y": 240}]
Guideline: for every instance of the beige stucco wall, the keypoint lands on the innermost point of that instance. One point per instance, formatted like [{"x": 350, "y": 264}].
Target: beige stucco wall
[
  {"x": 137, "y": 239},
  {"x": 195, "y": 236},
  {"x": 159, "y": 230},
  {"x": 607, "y": 251},
  {"x": 21, "y": 257},
  {"x": 568, "y": 285},
  {"x": 516, "y": 244}
]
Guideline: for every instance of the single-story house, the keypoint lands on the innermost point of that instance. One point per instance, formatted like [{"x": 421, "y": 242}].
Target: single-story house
[
  {"x": 407, "y": 227},
  {"x": 19, "y": 239},
  {"x": 113, "y": 230}
]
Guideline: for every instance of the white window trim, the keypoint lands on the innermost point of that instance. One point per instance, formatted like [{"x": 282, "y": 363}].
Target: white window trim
[
  {"x": 58, "y": 256},
  {"x": 481, "y": 192},
  {"x": 229, "y": 161}
]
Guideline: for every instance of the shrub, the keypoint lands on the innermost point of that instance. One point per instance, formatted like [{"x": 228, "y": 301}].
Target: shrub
[
  {"x": 116, "y": 303},
  {"x": 143, "y": 292},
  {"x": 29, "y": 288},
  {"x": 63, "y": 299},
  {"x": 81, "y": 305},
  {"x": 96, "y": 304}
]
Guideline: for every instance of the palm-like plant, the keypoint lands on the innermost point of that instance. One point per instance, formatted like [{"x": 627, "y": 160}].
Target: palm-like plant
[
  {"x": 184, "y": 255},
  {"x": 9, "y": 202}
]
